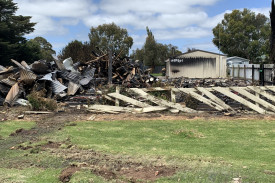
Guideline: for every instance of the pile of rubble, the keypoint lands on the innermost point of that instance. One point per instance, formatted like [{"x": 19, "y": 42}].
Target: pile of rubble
[
  {"x": 60, "y": 79},
  {"x": 195, "y": 82}
]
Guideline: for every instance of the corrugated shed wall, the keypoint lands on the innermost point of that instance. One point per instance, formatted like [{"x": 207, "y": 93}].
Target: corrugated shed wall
[
  {"x": 200, "y": 65},
  {"x": 194, "y": 68}
]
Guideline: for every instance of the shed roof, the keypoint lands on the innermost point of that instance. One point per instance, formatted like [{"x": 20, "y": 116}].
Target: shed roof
[
  {"x": 235, "y": 57},
  {"x": 202, "y": 51}
]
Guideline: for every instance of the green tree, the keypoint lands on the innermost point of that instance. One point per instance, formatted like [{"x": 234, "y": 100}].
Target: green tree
[
  {"x": 153, "y": 53},
  {"x": 243, "y": 34},
  {"x": 45, "y": 48},
  {"x": 77, "y": 50},
  {"x": 12, "y": 29},
  {"x": 110, "y": 36},
  {"x": 150, "y": 50}
]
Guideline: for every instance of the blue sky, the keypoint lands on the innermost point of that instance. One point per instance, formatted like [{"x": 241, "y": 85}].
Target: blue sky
[{"x": 183, "y": 23}]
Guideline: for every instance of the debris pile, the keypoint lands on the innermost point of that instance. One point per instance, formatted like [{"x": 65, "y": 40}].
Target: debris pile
[
  {"x": 61, "y": 80},
  {"x": 208, "y": 82}
]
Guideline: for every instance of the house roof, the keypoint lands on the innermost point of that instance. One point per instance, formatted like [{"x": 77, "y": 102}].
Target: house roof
[
  {"x": 235, "y": 57},
  {"x": 202, "y": 51}
]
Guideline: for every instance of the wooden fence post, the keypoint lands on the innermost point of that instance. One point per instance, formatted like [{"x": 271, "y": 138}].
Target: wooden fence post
[
  {"x": 173, "y": 96},
  {"x": 117, "y": 91},
  {"x": 238, "y": 71},
  {"x": 253, "y": 75},
  {"x": 233, "y": 71},
  {"x": 244, "y": 73}
]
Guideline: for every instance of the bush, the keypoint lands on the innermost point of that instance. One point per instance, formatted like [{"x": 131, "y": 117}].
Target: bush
[{"x": 39, "y": 102}]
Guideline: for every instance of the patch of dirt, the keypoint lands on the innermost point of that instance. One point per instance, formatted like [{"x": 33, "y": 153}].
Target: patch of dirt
[
  {"x": 51, "y": 145},
  {"x": 115, "y": 166},
  {"x": 67, "y": 173},
  {"x": 24, "y": 147}
]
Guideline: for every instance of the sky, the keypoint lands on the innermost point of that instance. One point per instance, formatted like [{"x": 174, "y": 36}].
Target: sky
[{"x": 183, "y": 23}]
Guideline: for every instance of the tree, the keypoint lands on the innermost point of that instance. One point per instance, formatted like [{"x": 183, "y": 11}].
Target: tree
[
  {"x": 150, "y": 50},
  {"x": 12, "y": 30},
  {"x": 45, "y": 48},
  {"x": 110, "y": 36},
  {"x": 243, "y": 34},
  {"x": 153, "y": 53},
  {"x": 77, "y": 50}
]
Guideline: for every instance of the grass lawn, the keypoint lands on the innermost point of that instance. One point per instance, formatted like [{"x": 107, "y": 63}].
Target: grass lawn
[
  {"x": 7, "y": 127},
  {"x": 203, "y": 150}
]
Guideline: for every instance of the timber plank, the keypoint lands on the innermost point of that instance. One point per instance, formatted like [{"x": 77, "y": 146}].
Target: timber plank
[
  {"x": 128, "y": 99},
  {"x": 214, "y": 98},
  {"x": 202, "y": 99},
  {"x": 239, "y": 99},
  {"x": 258, "y": 100},
  {"x": 161, "y": 102}
]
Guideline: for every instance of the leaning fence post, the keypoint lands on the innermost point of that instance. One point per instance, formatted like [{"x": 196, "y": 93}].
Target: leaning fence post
[
  {"x": 253, "y": 75},
  {"x": 263, "y": 75},
  {"x": 117, "y": 91},
  {"x": 244, "y": 73},
  {"x": 238, "y": 71},
  {"x": 173, "y": 96},
  {"x": 233, "y": 71}
]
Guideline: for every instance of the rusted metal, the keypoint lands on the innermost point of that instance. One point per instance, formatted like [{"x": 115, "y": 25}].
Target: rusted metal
[{"x": 12, "y": 95}]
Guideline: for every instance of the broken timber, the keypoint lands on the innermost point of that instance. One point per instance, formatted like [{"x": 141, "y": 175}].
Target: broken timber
[
  {"x": 202, "y": 99},
  {"x": 241, "y": 100},
  {"x": 252, "y": 97},
  {"x": 117, "y": 109},
  {"x": 161, "y": 102}
]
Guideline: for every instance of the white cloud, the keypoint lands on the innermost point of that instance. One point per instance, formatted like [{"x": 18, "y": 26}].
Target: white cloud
[
  {"x": 169, "y": 20},
  {"x": 264, "y": 11},
  {"x": 52, "y": 16},
  {"x": 153, "y": 6},
  {"x": 188, "y": 32},
  {"x": 46, "y": 25},
  {"x": 201, "y": 46},
  {"x": 55, "y": 8}
]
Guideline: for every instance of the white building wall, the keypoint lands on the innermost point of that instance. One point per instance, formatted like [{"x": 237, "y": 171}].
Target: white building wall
[{"x": 202, "y": 70}]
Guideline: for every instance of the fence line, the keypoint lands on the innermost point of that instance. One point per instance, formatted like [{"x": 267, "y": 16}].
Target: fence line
[{"x": 253, "y": 72}]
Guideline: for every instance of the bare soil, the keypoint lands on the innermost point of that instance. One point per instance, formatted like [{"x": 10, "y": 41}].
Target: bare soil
[{"x": 110, "y": 167}]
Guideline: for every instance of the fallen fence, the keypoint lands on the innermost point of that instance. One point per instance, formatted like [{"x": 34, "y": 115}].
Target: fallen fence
[{"x": 254, "y": 98}]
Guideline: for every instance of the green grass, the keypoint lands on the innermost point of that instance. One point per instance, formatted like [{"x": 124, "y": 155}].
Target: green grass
[
  {"x": 8, "y": 127},
  {"x": 249, "y": 141},
  {"x": 239, "y": 147},
  {"x": 31, "y": 175},
  {"x": 205, "y": 150}
]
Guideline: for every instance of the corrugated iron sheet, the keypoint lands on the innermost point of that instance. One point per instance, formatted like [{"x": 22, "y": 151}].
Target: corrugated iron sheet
[
  {"x": 27, "y": 77},
  {"x": 25, "y": 65},
  {"x": 8, "y": 81},
  {"x": 68, "y": 64},
  {"x": 88, "y": 75},
  {"x": 58, "y": 87},
  {"x": 71, "y": 76},
  {"x": 47, "y": 77},
  {"x": 72, "y": 88},
  {"x": 12, "y": 95}
]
